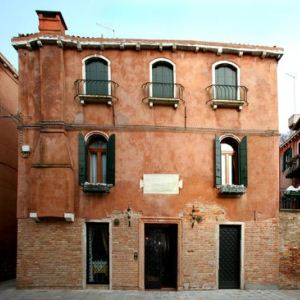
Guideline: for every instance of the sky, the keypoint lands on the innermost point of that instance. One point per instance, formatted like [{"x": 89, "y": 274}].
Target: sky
[{"x": 257, "y": 22}]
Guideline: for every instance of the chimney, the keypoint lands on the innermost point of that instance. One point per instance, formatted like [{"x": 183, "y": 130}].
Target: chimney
[{"x": 51, "y": 22}]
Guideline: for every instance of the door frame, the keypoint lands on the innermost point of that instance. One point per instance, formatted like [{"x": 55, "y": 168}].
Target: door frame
[
  {"x": 151, "y": 220},
  {"x": 85, "y": 251},
  {"x": 242, "y": 247}
]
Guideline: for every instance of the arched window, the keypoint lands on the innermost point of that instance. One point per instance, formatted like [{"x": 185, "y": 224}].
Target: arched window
[
  {"x": 97, "y": 147},
  {"x": 226, "y": 81},
  {"x": 231, "y": 161},
  {"x": 162, "y": 79},
  {"x": 96, "y": 76},
  {"x": 96, "y": 161},
  {"x": 229, "y": 157}
]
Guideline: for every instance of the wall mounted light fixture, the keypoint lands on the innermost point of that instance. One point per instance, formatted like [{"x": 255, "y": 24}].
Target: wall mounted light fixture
[{"x": 25, "y": 150}]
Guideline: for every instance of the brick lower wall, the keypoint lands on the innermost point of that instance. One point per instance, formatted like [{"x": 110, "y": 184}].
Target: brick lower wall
[
  {"x": 49, "y": 254},
  {"x": 125, "y": 269},
  {"x": 199, "y": 256},
  {"x": 289, "y": 265},
  {"x": 52, "y": 253},
  {"x": 261, "y": 253}
]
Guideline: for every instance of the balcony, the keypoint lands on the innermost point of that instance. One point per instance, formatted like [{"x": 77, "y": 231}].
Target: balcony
[
  {"x": 293, "y": 169},
  {"x": 158, "y": 93},
  {"x": 294, "y": 122},
  {"x": 230, "y": 96},
  {"x": 96, "y": 91},
  {"x": 290, "y": 200}
]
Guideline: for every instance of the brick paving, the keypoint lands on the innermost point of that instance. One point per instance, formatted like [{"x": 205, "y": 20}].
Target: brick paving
[{"x": 9, "y": 292}]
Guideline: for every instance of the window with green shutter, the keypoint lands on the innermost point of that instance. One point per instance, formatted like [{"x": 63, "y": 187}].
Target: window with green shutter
[
  {"x": 162, "y": 80},
  {"x": 226, "y": 82},
  {"x": 96, "y": 76},
  {"x": 231, "y": 165},
  {"x": 96, "y": 163}
]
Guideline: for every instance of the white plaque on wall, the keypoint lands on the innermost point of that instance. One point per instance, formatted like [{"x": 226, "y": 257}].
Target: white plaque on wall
[{"x": 161, "y": 183}]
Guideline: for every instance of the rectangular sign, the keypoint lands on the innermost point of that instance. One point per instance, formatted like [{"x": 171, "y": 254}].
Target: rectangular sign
[{"x": 161, "y": 184}]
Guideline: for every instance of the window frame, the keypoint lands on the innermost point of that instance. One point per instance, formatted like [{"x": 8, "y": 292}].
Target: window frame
[
  {"x": 99, "y": 152},
  {"x": 99, "y": 57},
  {"x": 241, "y": 181},
  {"x": 227, "y": 161},
  {"x": 286, "y": 153},
  {"x": 83, "y": 175},
  {"x": 151, "y": 74},
  {"x": 213, "y": 70},
  {"x": 237, "y": 141}
]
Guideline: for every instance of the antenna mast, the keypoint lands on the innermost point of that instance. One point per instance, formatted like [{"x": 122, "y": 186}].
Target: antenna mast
[{"x": 107, "y": 27}]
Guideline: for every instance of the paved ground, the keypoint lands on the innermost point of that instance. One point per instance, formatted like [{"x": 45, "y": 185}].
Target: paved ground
[{"x": 9, "y": 292}]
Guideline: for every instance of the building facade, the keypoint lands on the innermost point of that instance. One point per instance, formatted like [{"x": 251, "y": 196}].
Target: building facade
[
  {"x": 289, "y": 153},
  {"x": 8, "y": 168},
  {"x": 147, "y": 162}
]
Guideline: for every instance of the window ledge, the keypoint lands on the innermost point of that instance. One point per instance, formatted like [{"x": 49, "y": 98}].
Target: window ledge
[
  {"x": 232, "y": 189},
  {"x": 227, "y": 103},
  {"x": 106, "y": 99},
  {"x": 96, "y": 187},
  {"x": 163, "y": 101},
  {"x": 292, "y": 210}
]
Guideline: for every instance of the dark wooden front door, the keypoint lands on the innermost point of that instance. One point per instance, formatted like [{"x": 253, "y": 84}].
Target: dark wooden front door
[
  {"x": 160, "y": 256},
  {"x": 229, "y": 257}
]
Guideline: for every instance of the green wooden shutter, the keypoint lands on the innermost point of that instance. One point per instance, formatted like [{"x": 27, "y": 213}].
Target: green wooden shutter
[
  {"x": 111, "y": 160},
  {"x": 163, "y": 80},
  {"x": 243, "y": 169},
  {"x": 82, "y": 159},
  {"x": 96, "y": 74},
  {"x": 218, "y": 162},
  {"x": 226, "y": 81}
]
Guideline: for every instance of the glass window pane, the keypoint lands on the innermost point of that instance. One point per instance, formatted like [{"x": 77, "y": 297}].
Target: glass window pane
[
  {"x": 103, "y": 167},
  {"x": 93, "y": 167}
]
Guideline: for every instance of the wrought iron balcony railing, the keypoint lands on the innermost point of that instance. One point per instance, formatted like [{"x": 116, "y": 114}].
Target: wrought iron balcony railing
[
  {"x": 227, "y": 95},
  {"x": 95, "y": 91},
  {"x": 290, "y": 200},
  {"x": 293, "y": 169},
  {"x": 160, "y": 93}
]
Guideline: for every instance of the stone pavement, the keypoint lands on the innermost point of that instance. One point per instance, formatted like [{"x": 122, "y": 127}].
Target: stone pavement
[{"x": 9, "y": 292}]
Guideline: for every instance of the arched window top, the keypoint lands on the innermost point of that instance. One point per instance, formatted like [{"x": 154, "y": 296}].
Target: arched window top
[
  {"x": 96, "y": 135},
  {"x": 95, "y": 57},
  {"x": 97, "y": 142},
  {"x": 163, "y": 61},
  {"x": 225, "y": 63},
  {"x": 228, "y": 137}
]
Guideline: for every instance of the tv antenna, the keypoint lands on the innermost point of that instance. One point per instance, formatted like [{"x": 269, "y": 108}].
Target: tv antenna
[{"x": 107, "y": 28}]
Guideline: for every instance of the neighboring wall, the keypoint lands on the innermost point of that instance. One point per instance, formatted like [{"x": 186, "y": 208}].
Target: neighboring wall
[
  {"x": 8, "y": 169},
  {"x": 289, "y": 266}
]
